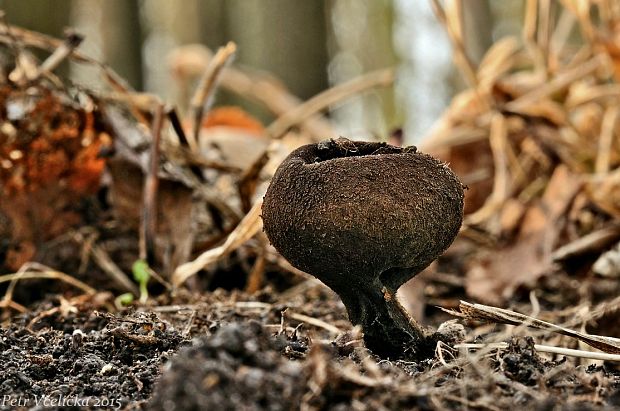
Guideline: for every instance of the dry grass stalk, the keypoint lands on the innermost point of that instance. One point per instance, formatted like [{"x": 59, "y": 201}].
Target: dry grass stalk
[
  {"x": 549, "y": 349},
  {"x": 255, "y": 276},
  {"x": 314, "y": 321},
  {"x": 378, "y": 78},
  {"x": 72, "y": 41},
  {"x": 558, "y": 100},
  {"x": 148, "y": 223},
  {"x": 103, "y": 260},
  {"x": 605, "y": 144},
  {"x": 481, "y": 312},
  {"x": 499, "y": 147},
  {"x": 31, "y": 271},
  {"x": 451, "y": 18}
]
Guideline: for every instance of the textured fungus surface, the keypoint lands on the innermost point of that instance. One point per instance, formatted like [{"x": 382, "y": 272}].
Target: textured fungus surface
[{"x": 364, "y": 218}]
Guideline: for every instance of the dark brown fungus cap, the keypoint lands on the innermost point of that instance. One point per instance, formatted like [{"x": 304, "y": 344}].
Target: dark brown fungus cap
[{"x": 364, "y": 218}]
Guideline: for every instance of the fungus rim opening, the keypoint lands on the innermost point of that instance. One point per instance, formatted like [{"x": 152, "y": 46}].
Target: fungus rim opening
[{"x": 335, "y": 149}]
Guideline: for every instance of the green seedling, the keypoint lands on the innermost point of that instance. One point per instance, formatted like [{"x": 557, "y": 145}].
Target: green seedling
[
  {"x": 123, "y": 300},
  {"x": 141, "y": 273}
]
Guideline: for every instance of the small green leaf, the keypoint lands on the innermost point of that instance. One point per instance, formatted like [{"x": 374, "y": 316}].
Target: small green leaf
[
  {"x": 124, "y": 299},
  {"x": 140, "y": 271},
  {"x": 141, "y": 274}
]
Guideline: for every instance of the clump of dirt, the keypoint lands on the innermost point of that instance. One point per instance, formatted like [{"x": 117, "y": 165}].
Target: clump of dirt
[
  {"x": 238, "y": 367},
  {"x": 521, "y": 362}
]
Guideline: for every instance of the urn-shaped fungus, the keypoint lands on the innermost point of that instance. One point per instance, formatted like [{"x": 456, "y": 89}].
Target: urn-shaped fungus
[{"x": 364, "y": 218}]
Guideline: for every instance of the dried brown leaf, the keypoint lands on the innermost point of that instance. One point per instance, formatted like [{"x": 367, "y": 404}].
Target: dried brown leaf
[{"x": 247, "y": 228}]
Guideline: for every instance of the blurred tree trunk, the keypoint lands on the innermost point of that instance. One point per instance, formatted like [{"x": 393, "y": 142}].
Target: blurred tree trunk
[
  {"x": 121, "y": 34},
  {"x": 212, "y": 23},
  {"x": 478, "y": 28},
  {"x": 286, "y": 38},
  {"x": 113, "y": 35},
  {"x": 282, "y": 37},
  {"x": 47, "y": 16},
  {"x": 361, "y": 40}
]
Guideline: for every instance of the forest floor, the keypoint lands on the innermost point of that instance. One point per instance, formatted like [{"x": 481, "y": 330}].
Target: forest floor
[
  {"x": 231, "y": 350},
  {"x": 93, "y": 185}
]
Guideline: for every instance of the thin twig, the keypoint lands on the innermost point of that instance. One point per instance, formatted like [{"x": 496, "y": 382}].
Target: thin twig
[
  {"x": 605, "y": 143},
  {"x": 190, "y": 323},
  {"x": 378, "y": 78},
  {"x": 148, "y": 229},
  {"x": 103, "y": 260},
  {"x": 314, "y": 321},
  {"x": 255, "y": 276},
  {"x": 139, "y": 101},
  {"x": 207, "y": 86},
  {"x": 499, "y": 315},
  {"x": 9, "y": 33},
  {"x": 8, "y": 295},
  {"x": 173, "y": 116},
  {"x": 72, "y": 41},
  {"x": 49, "y": 275},
  {"x": 544, "y": 26},
  {"x": 591, "y": 242}
]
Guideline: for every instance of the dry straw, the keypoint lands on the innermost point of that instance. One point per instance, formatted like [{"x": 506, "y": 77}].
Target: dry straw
[{"x": 545, "y": 102}]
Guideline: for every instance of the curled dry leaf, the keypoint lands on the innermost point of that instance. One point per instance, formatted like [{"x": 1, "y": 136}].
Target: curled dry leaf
[
  {"x": 247, "y": 228},
  {"x": 492, "y": 277},
  {"x": 174, "y": 232},
  {"x": 608, "y": 264}
]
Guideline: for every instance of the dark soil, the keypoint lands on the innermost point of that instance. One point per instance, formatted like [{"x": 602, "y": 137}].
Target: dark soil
[
  {"x": 82, "y": 358},
  {"x": 247, "y": 352},
  {"x": 239, "y": 367}
]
